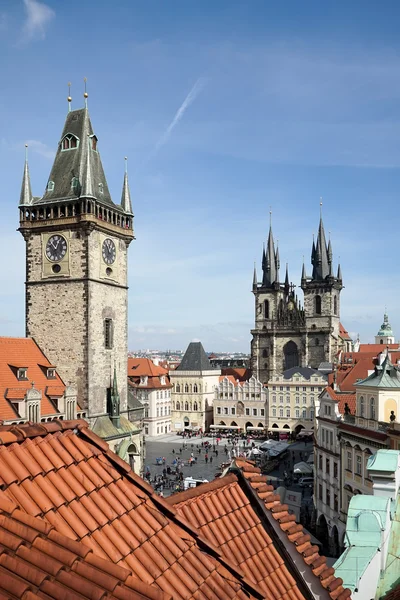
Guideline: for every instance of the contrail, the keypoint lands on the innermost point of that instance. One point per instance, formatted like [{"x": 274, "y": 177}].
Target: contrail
[{"x": 190, "y": 98}]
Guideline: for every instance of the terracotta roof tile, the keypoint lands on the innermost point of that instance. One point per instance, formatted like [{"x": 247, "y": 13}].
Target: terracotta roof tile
[
  {"x": 87, "y": 526},
  {"x": 225, "y": 511}
]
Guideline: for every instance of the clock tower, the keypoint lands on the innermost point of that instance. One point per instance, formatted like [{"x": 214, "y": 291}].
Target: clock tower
[{"x": 77, "y": 243}]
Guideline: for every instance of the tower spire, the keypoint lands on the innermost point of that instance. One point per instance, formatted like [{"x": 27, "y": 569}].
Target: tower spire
[
  {"x": 270, "y": 259},
  {"x": 126, "y": 195},
  {"x": 303, "y": 272},
  {"x": 320, "y": 253},
  {"x": 85, "y": 94},
  {"x": 287, "y": 286},
  {"x": 115, "y": 401},
  {"x": 26, "y": 191},
  {"x": 255, "y": 277}
]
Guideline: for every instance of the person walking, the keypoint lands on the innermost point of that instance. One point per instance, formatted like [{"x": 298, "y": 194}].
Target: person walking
[
  {"x": 206, "y": 458},
  {"x": 211, "y": 459}
]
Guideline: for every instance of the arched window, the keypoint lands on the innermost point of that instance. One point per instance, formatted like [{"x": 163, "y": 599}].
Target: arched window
[
  {"x": 291, "y": 354},
  {"x": 335, "y": 305},
  {"x": 195, "y": 389},
  {"x": 195, "y": 407},
  {"x": 186, "y": 388},
  {"x": 266, "y": 309},
  {"x": 186, "y": 405},
  {"x": 74, "y": 184},
  {"x": 372, "y": 409},
  {"x": 178, "y": 388},
  {"x": 265, "y": 353},
  {"x": 178, "y": 405},
  {"x": 94, "y": 142},
  {"x": 362, "y": 406},
  {"x": 101, "y": 188},
  {"x": 50, "y": 186},
  {"x": 317, "y": 305},
  {"x": 316, "y": 341},
  {"x": 69, "y": 142}
]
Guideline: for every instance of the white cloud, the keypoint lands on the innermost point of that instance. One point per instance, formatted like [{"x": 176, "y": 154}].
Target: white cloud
[
  {"x": 38, "y": 17},
  {"x": 40, "y": 148}
]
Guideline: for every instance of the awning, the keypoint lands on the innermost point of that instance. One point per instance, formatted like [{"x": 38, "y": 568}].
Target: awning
[
  {"x": 256, "y": 428},
  {"x": 224, "y": 427}
]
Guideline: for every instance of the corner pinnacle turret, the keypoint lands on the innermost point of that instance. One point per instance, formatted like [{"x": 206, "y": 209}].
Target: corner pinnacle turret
[
  {"x": 126, "y": 195},
  {"x": 26, "y": 197}
]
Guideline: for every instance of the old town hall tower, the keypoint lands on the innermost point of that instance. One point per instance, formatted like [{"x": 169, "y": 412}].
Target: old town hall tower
[
  {"x": 287, "y": 334},
  {"x": 76, "y": 269}
]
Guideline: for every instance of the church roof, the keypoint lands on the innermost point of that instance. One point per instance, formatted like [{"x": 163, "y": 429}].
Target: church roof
[
  {"x": 306, "y": 372},
  {"x": 386, "y": 328},
  {"x": 81, "y": 161},
  {"x": 195, "y": 359},
  {"x": 385, "y": 375}
]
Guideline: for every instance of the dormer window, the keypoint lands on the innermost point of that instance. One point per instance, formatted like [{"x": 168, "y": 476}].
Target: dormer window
[
  {"x": 143, "y": 380},
  {"x": 51, "y": 373},
  {"x": 50, "y": 186},
  {"x": 74, "y": 184},
  {"x": 94, "y": 142},
  {"x": 69, "y": 142},
  {"x": 22, "y": 374},
  {"x": 162, "y": 379},
  {"x": 101, "y": 188}
]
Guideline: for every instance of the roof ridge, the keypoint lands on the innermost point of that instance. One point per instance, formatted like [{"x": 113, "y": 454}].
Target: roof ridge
[
  {"x": 204, "y": 488},
  {"x": 280, "y": 513},
  {"x": 10, "y": 434}
]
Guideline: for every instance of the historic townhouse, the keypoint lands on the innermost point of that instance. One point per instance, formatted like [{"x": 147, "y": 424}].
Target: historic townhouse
[
  {"x": 240, "y": 405},
  {"x": 292, "y": 398},
  {"x": 194, "y": 383},
  {"x": 150, "y": 385}
]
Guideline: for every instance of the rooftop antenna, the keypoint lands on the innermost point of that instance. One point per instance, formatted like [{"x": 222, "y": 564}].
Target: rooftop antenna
[
  {"x": 69, "y": 97},
  {"x": 85, "y": 94}
]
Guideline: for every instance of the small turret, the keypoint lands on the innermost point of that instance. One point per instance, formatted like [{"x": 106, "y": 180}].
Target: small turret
[
  {"x": 287, "y": 285},
  {"x": 87, "y": 190},
  {"x": 126, "y": 195},
  {"x": 255, "y": 278},
  {"x": 26, "y": 197},
  {"x": 339, "y": 273},
  {"x": 303, "y": 272},
  {"x": 115, "y": 401}
]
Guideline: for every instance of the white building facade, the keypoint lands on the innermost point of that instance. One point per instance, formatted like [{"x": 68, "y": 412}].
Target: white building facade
[{"x": 241, "y": 404}]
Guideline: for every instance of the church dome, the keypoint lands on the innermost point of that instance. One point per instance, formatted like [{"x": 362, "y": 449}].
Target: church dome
[{"x": 386, "y": 328}]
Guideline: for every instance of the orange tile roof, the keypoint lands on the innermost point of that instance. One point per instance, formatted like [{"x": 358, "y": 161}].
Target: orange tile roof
[
  {"x": 226, "y": 511},
  {"x": 24, "y": 352},
  {"x": 37, "y": 561},
  {"x": 344, "y": 334},
  {"x": 144, "y": 367},
  {"x": 342, "y": 399},
  {"x": 377, "y": 348},
  {"x": 240, "y": 373},
  {"x": 67, "y": 476}
]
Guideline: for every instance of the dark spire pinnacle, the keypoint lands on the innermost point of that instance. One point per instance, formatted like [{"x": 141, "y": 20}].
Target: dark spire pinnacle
[
  {"x": 319, "y": 255},
  {"x": 287, "y": 276},
  {"x": 255, "y": 278},
  {"x": 115, "y": 401},
  {"x": 303, "y": 271},
  {"x": 270, "y": 262},
  {"x": 330, "y": 255},
  {"x": 26, "y": 191},
  {"x": 339, "y": 273},
  {"x": 277, "y": 260},
  {"x": 126, "y": 195}
]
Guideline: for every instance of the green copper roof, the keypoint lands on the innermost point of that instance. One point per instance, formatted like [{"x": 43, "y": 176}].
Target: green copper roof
[
  {"x": 390, "y": 576},
  {"x": 384, "y": 460},
  {"x": 384, "y": 376},
  {"x": 105, "y": 429},
  {"x": 386, "y": 328},
  {"x": 351, "y": 565}
]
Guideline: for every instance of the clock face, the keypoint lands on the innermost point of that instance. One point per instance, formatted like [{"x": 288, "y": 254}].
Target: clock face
[
  {"x": 56, "y": 248},
  {"x": 109, "y": 252}
]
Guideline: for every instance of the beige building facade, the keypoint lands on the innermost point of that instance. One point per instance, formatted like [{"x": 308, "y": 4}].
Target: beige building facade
[
  {"x": 292, "y": 396},
  {"x": 193, "y": 389},
  {"x": 240, "y": 404}
]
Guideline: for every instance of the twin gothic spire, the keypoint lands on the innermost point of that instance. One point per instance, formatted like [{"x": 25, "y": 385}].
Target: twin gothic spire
[{"x": 321, "y": 260}]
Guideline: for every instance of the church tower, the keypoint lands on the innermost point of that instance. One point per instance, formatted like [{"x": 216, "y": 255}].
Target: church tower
[
  {"x": 322, "y": 303},
  {"x": 77, "y": 243},
  {"x": 276, "y": 343}
]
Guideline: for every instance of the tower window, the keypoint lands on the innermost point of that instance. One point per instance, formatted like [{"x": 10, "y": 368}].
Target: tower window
[
  {"x": 108, "y": 333},
  {"x": 94, "y": 142},
  {"x": 74, "y": 183},
  {"x": 266, "y": 309},
  {"x": 101, "y": 188},
  {"x": 317, "y": 305},
  {"x": 69, "y": 142},
  {"x": 50, "y": 186},
  {"x": 335, "y": 305}
]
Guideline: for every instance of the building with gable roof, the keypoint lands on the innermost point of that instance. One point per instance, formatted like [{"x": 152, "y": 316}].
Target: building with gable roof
[
  {"x": 150, "y": 385},
  {"x": 31, "y": 388},
  {"x": 286, "y": 334},
  {"x": 194, "y": 382}
]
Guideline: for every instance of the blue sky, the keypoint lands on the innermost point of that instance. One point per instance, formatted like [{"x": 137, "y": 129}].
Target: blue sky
[{"x": 224, "y": 109}]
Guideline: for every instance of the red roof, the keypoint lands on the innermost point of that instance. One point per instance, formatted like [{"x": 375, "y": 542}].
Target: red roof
[
  {"x": 240, "y": 373},
  {"x": 344, "y": 334},
  {"x": 144, "y": 367},
  {"x": 24, "y": 352},
  {"x": 38, "y": 562},
  {"x": 377, "y": 348},
  {"x": 66, "y": 476},
  {"x": 226, "y": 511},
  {"x": 343, "y": 399}
]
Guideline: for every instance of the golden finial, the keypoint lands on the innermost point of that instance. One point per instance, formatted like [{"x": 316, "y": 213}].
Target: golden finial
[
  {"x": 85, "y": 94},
  {"x": 320, "y": 206},
  {"x": 26, "y": 152},
  {"x": 69, "y": 96}
]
